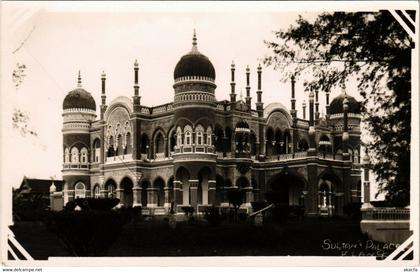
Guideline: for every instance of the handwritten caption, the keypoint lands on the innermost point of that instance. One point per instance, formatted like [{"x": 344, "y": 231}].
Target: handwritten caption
[{"x": 359, "y": 248}]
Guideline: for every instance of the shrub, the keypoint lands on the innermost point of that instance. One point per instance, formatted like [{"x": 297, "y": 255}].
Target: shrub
[
  {"x": 29, "y": 208},
  {"x": 87, "y": 232},
  {"x": 188, "y": 211},
  {"x": 258, "y": 205},
  {"x": 353, "y": 210},
  {"x": 213, "y": 216},
  {"x": 100, "y": 204}
]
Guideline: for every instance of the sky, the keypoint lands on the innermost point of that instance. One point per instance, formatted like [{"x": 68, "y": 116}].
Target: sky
[{"x": 56, "y": 40}]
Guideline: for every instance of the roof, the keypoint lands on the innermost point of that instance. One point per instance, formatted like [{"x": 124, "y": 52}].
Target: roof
[
  {"x": 39, "y": 186},
  {"x": 336, "y": 105}
]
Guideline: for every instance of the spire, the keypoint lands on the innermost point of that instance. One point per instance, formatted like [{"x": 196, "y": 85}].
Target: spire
[
  {"x": 259, "y": 104},
  {"x": 248, "y": 88},
  {"x": 293, "y": 99},
  {"x": 136, "y": 97},
  {"x": 79, "y": 80},
  {"x": 103, "y": 96},
  {"x": 194, "y": 48}
]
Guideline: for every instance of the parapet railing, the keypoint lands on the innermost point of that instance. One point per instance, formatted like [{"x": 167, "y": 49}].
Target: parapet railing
[{"x": 386, "y": 214}]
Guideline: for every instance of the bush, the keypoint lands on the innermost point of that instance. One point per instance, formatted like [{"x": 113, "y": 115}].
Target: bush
[
  {"x": 353, "y": 210},
  {"x": 188, "y": 211},
  {"x": 30, "y": 208},
  {"x": 258, "y": 205},
  {"x": 100, "y": 204},
  {"x": 213, "y": 216},
  {"x": 87, "y": 232}
]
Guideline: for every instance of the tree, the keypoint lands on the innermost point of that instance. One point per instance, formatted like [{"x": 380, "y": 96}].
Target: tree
[
  {"x": 235, "y": 197},
  {"x": 372, "y": 48}
]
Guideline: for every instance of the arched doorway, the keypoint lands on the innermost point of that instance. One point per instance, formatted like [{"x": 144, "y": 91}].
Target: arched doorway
[
  {"x": 158, "y": 185},
  {"x": 183, "y": 175},
  {"x": 328, "y": 196},
  {"x": 145, "y": 184},
  {"x": 110, "y": 187},
  {"x": 127, "y": 186},
  {"x": 203, "y": 185},
  {"x": 286, "y": 188}
]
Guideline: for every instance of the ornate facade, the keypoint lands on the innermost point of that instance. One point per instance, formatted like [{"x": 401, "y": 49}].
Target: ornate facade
[{"x": 189, "y": 152}]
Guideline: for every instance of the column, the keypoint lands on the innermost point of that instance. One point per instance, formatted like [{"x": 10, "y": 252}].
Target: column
[
  {"x": 211, "y": 192},
  {"x": 167, "y": 203},
  {"x": 193, "y": 193},
  {"x": 248, "y": 196},
  {"x": 120, "y": 196},
  {"x": 151, "y": 197},
  {"x": 136, "y": 195},
  {"x": 178, "y": 192}
]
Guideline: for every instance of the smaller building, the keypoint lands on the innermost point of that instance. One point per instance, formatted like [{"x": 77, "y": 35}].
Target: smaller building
[{"x": 37, "y": 187}]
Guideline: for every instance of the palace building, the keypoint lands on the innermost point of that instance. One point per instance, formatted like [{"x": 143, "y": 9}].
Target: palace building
[{"x": 190, "y": 151}]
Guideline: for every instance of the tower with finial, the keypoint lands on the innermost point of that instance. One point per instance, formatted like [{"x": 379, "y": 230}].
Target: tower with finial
[{"x": 79, "y": 111}]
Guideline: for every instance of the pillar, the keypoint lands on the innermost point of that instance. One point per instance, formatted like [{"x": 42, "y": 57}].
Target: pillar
[
  {"x": 136, "y": 97},
  {"x": 346, "y": 155},
  {"x": 304, "y": 110},
  {"x": 167, "y": 202},
  {"x": 193, "y": 193},
  {"x": 211, "y": 192},
  {"x": 248, "y": 196},
  {"x": 136, "y": 195},
  {"x": 120, "y": 196},
  {"x": 316, "y": 105},
  {"x": 151, "y": 197},
  {"x": 312, "y": 144},
  {"x": 177, "y": 192},
  {"x": 103, "y": 96}
]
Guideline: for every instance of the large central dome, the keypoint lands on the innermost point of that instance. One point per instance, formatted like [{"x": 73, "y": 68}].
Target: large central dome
[{"x": 194, "y": 64}]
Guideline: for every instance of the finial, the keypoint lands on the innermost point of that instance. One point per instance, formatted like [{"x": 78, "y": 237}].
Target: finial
[
  {"x": 136, "y": 63},
  {"x": 293, "y": 77},
  {"x": 241, "y": 96},
  {"x": 247, "y": 68},
  {"x": 233, "y": 65},
  {"x": 304, "y": 103},
  {"x": 103, "y": 75},
  {"x": 194, "y": 43},
  {"x": 79, "y": 80}
]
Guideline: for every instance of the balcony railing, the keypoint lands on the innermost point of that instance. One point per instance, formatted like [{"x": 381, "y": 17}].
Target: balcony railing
[{"x": 386, "y": 214}]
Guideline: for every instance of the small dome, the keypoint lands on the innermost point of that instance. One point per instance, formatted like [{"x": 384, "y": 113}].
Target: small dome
[
  {"x": 194, "y": 64},
  {"x": 79, "y": 98},
  {"x": 336, "y": 105}
]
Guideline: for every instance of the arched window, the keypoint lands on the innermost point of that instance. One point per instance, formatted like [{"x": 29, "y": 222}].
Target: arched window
[
  {"x": 178, "y": 137},
  {"x": 187, "y": 135},
  {"x": 84, "y": 155},
  {"x": 128, "y": 147},
  {"x": 79, "y": 190},
  {"x": 111, "y": 150},
  {"x": 111, "y": 190},
  {"x": 97, "y": 192},
  {"x": 74, "y": 155},
  {"x": 120, "y": 148},
  {"x": 199, "y": 132},
  {"x": 209, "y": 132},
  {"x": 96, "y": 150},
  {"x": 66, "y": 155}
]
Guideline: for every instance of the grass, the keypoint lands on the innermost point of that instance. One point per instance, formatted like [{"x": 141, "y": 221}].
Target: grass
[{"x": 156, "y": 238}]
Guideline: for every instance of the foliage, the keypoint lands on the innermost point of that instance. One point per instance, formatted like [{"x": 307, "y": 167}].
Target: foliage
[
  {"x": 258, "y": 205},
  {"x": 372, "y": 48},
  {"x": 103, "y": 204},
  {"x": 353, "y": 210},
  {"x": 20, "y": 121},
  {"x": 31, "y": 207},
  {"x": 235, "y": 197},
  {"x": 87, "y": 233},
  {"x": 19, "y": 74},
  {"x": 188, "y": 211},
  {"x": 213, "y": 216}
]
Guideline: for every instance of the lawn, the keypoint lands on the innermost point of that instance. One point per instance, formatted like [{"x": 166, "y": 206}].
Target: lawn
[{"x": 308, "y": 237}]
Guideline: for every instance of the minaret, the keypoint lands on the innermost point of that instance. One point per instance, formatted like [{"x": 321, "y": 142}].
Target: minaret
[
  {"x": 259, "y": 104},
  {"x": 293, "y": 112},
  {"x": 248, "y": 89},
  {"x": 136, "y": 97},
  {"x": 366, "y": 182},
  {"x": 346, "y": 155},
  {"x": 103, "y": 96},
  {"x": 327, "y": 106},
  {"x": 316, "y": 105},
  {"x": 312, "y": 146},
  {"x": 232, "y": 83},
  {"x": 304, "y": 109}
]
